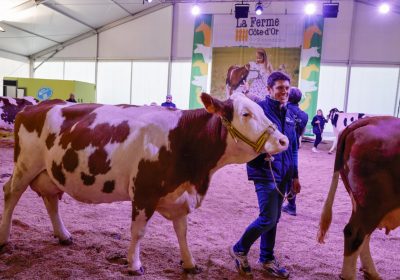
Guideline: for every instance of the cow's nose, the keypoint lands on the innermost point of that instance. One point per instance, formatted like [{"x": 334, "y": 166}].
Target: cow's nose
[{"x": 284, "y": 141}]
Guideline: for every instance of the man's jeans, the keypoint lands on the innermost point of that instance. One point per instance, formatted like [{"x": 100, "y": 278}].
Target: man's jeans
[{"x": 270, "y": 203}]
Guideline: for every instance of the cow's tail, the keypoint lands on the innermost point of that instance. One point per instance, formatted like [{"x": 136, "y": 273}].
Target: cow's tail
[{"x": 326, "y": 215}]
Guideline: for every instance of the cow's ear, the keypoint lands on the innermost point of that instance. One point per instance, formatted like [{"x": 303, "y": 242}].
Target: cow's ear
[{"x": 212, "y": 105}]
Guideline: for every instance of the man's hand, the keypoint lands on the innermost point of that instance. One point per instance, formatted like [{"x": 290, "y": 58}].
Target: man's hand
[{"x": 296, "y": 187}]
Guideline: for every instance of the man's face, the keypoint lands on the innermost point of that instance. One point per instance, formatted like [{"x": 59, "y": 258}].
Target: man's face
[
  {"x": 169, "y": 98},
  {"x": 280, "y": 91}
]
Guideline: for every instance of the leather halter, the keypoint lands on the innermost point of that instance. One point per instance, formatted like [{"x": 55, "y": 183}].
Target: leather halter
[{"x": 257, "y": 145}]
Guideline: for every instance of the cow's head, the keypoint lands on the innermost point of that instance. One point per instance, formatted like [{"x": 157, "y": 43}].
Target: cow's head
[
  {"x": 332, "y": 113},
  {"x": 244, "y": 117}
]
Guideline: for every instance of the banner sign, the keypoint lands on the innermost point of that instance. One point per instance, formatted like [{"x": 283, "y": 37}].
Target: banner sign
[
  {"x": 201, "y": 58},
  {"x": 310, "y": 65},
  {"x": 267, "y": 31}
]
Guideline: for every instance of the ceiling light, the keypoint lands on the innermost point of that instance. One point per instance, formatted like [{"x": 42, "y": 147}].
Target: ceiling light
[
  {"x": 259, "y": 8},
  {"x": 195, "y": 10},
  {"x": 310, "y": 9},
  {"x": 384, "y": 8}
]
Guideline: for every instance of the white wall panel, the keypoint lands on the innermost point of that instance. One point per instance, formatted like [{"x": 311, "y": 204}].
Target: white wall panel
[
  {"x": 113, "y": 86},
  {"x": 85, "y": 49},
  {"x": 12, "y": 68},
  {"x": 336, "y": 34},
  {"x": 183, "y": 32},
  {"x": 148, "y": 37},
  {"x": 376, "y": 36}
]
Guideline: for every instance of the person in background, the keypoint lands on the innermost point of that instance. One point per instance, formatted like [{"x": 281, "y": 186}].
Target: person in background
[
  {"x": 301, "y": 119},
  {"x": 270, "y": 178},
  {"x": 318, "y": 124},
  {"x": 168, "y": 102},
  {"x": 258, "y": 76},
  {"x": 71, "y": 98}
]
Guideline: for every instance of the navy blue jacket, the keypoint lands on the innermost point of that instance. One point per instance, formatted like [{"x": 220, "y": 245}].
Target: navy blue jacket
[
  {"x": 300, "y": 116},
  {"x": 284, "y": 164},
  {"x": 318, "y": 128},
  {"x": 168, "y": 105}
]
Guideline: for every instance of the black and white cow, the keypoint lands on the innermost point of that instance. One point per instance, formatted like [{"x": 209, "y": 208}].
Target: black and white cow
[
  {"x": 159, "y": 159},
  {"x": 340, "y": 121}
]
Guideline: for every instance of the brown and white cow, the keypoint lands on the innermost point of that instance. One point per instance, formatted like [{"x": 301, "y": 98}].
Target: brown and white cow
[
  {"x": 160, "y": 159},
  {"x": 235, "y": 78},
  {"x": 9, "y": 107},
  {"x": 368, "y": 161}
]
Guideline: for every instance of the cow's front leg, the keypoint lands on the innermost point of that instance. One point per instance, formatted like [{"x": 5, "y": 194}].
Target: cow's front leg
[
  {"x": 13, "y": 190},
  {"x": 188, "y": 263},
  {"x": 334, "y": 144},
  {"x": 138, "y": 229},
  {"x": 367, "y": 264}
]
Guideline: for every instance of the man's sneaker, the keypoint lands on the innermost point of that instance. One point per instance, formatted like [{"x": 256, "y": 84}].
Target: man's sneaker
[
  {"x": 241, "y": 262},
  {"x": 314, "y": 150},
  {"x": 289, "y": 209},
  {"x": 273, "y": 269}
]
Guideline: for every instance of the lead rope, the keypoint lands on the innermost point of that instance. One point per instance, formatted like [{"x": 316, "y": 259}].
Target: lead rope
[{"x": 290, "y": 195}]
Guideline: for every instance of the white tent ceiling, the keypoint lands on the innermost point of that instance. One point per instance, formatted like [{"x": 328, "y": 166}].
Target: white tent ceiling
[{"x": 34, "y": 27}]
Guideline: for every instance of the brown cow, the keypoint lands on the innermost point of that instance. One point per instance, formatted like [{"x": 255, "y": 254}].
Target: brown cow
[
  {"x": 235, "y": 77},
  {"x": 152, "y": 156},
  {"x": 368, "y": 161}
]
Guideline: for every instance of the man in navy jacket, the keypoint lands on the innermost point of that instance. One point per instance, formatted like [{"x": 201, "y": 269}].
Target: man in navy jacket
[{"x": 270, "y": 180}]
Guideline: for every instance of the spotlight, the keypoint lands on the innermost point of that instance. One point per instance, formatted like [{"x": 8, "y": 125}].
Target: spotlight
[
  {"x": 241, "y": 11},
  {"x": 195, "y": 10},
  {"x": 259, "y": 8},
  {"x": 310, "y": 9},
  {"x": 330, "y": 10},
  {"x": 384, "y": 8}
]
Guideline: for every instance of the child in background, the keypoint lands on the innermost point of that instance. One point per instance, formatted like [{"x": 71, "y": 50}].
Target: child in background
[{"x": 318, "y": 124}]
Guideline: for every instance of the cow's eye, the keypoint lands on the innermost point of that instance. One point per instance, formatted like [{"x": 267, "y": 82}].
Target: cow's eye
[{"x": 245, "y": 114}]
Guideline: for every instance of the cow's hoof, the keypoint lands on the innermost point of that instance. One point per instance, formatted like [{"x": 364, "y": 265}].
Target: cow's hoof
[
  {"x": 194, "y": 270},
  {"x": 65, "y": 242},
  {"x": 6, "y": 248},
  {"x": 370, "y": 275},
  {"x": 2, "y": 247},
  {"x": 138, "y": 272}
]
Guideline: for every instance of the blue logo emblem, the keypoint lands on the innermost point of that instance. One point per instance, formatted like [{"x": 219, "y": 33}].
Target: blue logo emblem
[{"x": 44, "y": 93}]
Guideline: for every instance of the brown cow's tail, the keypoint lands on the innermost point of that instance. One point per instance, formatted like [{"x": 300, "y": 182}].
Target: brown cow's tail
[{"x": 326, "y": 215}]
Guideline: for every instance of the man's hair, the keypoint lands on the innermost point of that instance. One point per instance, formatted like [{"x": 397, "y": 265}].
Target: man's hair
[
  {"x": 277, "y": 76},
  {"x": 294, "y": 95},
  {"x": 168, "y": 95}
]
